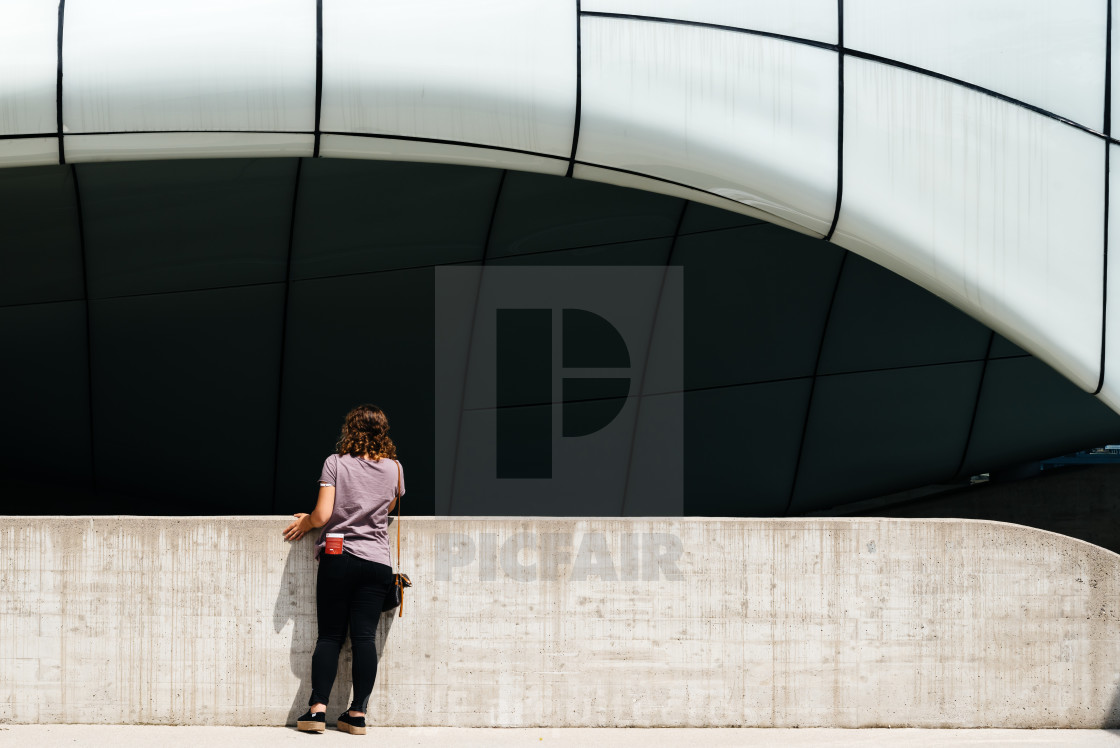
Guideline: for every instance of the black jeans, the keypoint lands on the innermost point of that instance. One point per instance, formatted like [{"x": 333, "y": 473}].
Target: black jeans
[{"x": 349, "y": 592}]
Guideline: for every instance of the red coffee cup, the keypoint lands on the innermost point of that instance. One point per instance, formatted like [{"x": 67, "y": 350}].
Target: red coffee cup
[{"x": 334, "y": 543}]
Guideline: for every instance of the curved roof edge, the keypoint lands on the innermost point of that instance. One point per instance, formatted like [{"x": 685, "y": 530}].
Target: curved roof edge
[{"x": 917, "y": 139}]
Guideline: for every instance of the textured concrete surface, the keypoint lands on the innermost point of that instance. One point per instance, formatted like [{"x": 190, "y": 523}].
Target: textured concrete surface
[
  {"x": 108, "y": 736},
  {"x": 562, "y": 622}
]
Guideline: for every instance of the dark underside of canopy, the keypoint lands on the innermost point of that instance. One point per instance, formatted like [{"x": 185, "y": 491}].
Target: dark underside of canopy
[{"x": 183, "y": 337}]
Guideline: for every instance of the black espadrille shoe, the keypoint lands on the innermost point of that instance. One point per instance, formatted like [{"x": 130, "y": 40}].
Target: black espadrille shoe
[
  {"x": 352, "y": 725},
  {"x": 312, "y": 721}
]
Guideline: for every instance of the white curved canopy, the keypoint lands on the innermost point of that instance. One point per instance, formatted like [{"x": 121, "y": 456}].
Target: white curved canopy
[{"x": 964, "y": 145}]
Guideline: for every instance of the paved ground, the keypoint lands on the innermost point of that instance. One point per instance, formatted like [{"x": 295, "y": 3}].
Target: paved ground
[{"x": 112, "y": 736}]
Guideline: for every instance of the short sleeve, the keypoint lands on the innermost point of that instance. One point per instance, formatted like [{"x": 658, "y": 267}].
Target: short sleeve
[
  {"x": 330, "y": 465},
  {"x": 402, "y": 477}
]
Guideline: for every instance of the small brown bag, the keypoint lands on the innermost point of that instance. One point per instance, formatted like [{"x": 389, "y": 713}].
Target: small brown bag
[{"x": 395, "y": 598}]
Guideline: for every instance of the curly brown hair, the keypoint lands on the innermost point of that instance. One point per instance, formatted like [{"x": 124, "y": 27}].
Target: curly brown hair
[{"x": 365, "y": 433}]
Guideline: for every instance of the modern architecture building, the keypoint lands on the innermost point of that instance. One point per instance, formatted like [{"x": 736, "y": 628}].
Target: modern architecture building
[{"x": 221, "y": 225}]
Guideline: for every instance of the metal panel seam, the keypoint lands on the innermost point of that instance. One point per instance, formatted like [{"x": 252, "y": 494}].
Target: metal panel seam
[
  {"x": 813, "y": 383},
  {"x": 976, "y": 404},
  {"x": 284, "y": 331},
  {"x": 470, "y": 338},
  {"x": 89, "y": 326},
  {"x": 839, "y": 120},
  {"x": 58, "y": 84},
  {"x": 1107, "y": 167},
  {"x": 579, "y": 91},
  {"x": 318, "y": 73},
  {"x": 649, "y": 347}
]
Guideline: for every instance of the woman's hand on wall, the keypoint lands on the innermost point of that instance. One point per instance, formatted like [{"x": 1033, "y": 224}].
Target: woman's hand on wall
[{"x": 300, "y": 525}]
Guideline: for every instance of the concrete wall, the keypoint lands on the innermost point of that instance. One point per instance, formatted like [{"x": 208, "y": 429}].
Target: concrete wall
[{"x": 562, "y": 622}]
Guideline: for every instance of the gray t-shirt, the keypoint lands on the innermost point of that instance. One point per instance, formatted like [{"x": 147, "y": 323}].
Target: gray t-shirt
[{"x": 363, "y": 490}]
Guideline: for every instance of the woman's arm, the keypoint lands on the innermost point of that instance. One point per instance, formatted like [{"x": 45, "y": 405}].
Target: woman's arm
[{"x": 324, "y": 508}]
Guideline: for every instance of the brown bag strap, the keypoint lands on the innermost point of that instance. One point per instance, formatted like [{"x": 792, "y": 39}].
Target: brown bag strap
[
  {"x": 397, "y": 580},
  {"x": 398, "y": 514}
]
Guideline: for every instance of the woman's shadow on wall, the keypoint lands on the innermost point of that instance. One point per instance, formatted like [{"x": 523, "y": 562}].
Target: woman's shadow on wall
[{"x": 295, "y": 601}]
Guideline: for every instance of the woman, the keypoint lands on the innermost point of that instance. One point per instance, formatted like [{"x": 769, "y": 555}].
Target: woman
[{"x": 357, "y": 491}]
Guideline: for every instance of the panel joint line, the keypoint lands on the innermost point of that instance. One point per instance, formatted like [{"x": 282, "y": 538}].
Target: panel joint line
[
  {"x": 640, "y": 395},
  {"x": 1107, "y": 197},
  {"x": 579, "y": 90},
  {"x": 839, "y": 119},
  {"x": 813, "y": 384},
  {"x": 318, "y": 74},
  {"x": 470, "y": 339},
  {"x": 89, "y": 325},
  {"x": 284, "y": 333},
  {"x": 860, "y": 54},
  {"x": 58, "y": 83},
  {"x": 976, "y": 405}
]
